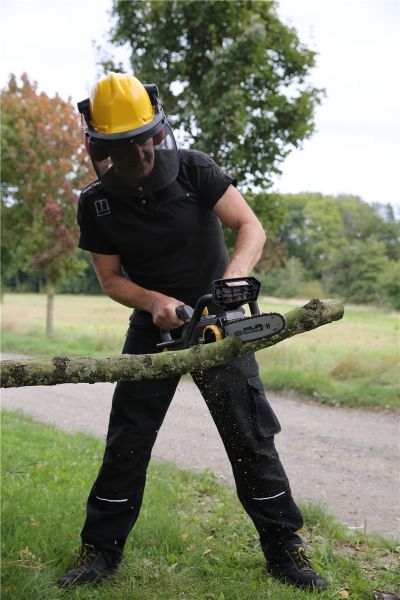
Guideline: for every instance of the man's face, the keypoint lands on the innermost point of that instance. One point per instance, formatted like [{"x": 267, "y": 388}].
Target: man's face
[{"x": 133, "y": 162}]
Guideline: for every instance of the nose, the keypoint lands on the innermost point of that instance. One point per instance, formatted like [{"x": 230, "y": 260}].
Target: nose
[{"x": 138, "y": 151}]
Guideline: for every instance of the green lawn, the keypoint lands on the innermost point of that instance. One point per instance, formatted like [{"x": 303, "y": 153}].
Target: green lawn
[
  {"x": 192, "y": 539},
  {"x": 352, "y": 362}
]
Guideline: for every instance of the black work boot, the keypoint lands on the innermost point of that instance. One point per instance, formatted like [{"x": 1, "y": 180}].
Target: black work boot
[
  {"x": 90, "y": 567},
  {"x": 291, "y": 564}
]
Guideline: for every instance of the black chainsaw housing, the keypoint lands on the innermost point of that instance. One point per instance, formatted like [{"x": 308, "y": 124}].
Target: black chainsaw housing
[{"x": 230, "y": 295}]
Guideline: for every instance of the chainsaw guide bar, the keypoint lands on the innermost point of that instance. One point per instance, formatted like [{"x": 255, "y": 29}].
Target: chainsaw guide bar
[{"x": 255, "y": 327}]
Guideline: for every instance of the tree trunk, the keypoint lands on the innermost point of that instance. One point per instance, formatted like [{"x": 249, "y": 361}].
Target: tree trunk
[
  {"x": 49, "y": 308},
  {"x": 126, "y": 367}
]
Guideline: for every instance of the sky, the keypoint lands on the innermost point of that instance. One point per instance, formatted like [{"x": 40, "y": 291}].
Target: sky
[{"x": 356, "y": 146}]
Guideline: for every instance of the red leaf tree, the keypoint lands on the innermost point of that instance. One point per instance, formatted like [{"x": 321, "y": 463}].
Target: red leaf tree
[{"x": 44, "y": 164}]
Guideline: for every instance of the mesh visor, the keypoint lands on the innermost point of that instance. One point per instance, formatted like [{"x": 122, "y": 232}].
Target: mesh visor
[{"x": 135, "y": 164}]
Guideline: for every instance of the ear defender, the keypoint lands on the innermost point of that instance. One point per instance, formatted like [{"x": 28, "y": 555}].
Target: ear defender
[
  {"x": 95, "y": 152},
  {"x": 158, "y": 138}
]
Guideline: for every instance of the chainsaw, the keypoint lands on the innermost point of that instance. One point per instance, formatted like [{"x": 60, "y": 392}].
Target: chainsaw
[{"x": 230, "y": 295}]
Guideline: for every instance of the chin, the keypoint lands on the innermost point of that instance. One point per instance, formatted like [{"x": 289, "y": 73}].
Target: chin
[{"x": 134, "y": 180}]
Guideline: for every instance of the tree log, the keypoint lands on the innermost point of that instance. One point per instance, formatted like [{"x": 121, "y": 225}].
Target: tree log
[{"x": 126, "y": 367}]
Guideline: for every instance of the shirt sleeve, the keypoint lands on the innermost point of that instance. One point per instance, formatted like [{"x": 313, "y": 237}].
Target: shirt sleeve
[
  {"x": 91, "y": 237},
  {"x": 210, "y": 181}
]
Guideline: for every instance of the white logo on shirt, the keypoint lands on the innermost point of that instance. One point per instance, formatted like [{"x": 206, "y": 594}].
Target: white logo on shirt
[{"x": 102, "y": 207}]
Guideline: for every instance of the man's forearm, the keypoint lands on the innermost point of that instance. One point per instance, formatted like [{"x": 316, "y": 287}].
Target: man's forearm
[
  {"x": 250, "y": 241},
  {"x": 130, "y": 294},
  {"x": 161, "y": 307}
]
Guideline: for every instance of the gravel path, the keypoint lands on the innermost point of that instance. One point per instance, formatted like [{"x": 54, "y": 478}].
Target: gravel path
[{"x": 346, "y": 459}]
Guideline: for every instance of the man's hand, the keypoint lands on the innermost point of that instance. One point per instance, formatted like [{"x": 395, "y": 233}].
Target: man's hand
[{"x": 164, "y": 313}]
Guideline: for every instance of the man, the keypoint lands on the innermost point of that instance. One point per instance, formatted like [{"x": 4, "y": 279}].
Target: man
[{"x": 152, "y": 224}]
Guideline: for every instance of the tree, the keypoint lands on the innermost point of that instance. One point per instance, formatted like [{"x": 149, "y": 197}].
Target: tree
[
  {"x": 390, "y": 282},
  {"x": 345, "y": 243},
  {"x": 232, "y": 76},
  {"x": 359, "y": 270},
  {"x": 271, "y": 210},
  {"x": 43, "y": 165},
  {"x": 362, "y": 220},
  {"x": 313, "y": 231},
  {"x": 287, "y": 280}
]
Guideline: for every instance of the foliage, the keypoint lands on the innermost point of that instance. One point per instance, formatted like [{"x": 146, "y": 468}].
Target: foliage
[
  {"x": 43, "y": 165},
  {"x": 82, "y": 283},
  {"x": 358, "y": 270},
  {"x": 271, "y": 210},
  {"x": 390, "y": 283},
  {"x": 285, "y": 282},
  {"x": 312, "y": 230},
  {"x": 232, "y": 76},
  {"x": 346, "y": 244},
  {"x": 361, "y": 221}
]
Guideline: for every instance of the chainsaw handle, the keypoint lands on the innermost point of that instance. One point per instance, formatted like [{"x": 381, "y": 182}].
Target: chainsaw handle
[{"x": 185, "y": 313}]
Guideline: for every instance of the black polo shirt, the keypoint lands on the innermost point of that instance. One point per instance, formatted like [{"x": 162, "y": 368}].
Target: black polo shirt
[{"x": 171, "y": 241}]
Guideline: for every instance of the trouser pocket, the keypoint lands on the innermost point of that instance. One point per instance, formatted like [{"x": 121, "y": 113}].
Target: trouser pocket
[{"x": 263, "y": 419}]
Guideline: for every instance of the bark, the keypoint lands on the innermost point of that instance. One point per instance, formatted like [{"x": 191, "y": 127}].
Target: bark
[
  {"x": 125, "y": 367},
  {"x": 50, "y": 308}
]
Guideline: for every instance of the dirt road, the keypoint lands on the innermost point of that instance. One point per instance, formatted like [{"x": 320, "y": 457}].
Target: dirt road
[{"x": 347, "y": 459}]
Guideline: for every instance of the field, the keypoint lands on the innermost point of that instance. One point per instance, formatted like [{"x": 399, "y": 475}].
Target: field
[
  {"x": 353, "y": 362},
  {"x": 192, "y": 540}
]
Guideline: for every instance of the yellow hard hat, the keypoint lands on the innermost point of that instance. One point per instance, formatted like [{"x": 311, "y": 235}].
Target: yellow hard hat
[{"x": 120, "y": 106}]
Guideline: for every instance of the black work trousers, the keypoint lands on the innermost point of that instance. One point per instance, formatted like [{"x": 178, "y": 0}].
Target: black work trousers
[{"x": 246, "y": 423}]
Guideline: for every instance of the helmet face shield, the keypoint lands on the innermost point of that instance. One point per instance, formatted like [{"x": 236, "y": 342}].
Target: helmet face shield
[{"x": 144, "y": 162}]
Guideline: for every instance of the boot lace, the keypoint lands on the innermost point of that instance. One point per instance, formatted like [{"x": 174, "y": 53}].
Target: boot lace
[
  {"x": 86, "y": 553},
  {"x": 300, "y": 558}
]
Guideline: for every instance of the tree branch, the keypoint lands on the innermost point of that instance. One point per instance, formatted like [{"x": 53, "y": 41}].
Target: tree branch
[{"x": 125, "y": 367}]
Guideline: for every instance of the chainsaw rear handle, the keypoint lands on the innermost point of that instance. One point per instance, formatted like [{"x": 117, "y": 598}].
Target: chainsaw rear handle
[{"x": 185, "y": 313}]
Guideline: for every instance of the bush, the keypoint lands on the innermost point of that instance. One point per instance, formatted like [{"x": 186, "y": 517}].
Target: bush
[
  {"x": 311, "y": 289},
  {"x": 359, "y": 269},
  {"x": 291, "y": 282},
  {"x": 390, "y": 282}
]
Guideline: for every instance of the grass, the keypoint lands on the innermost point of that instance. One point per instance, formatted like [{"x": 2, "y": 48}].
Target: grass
[
  {"x": 192, "y": 540},
  {"x": 84, "y": 325},
  {"x": 352, "y": 362}
]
